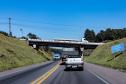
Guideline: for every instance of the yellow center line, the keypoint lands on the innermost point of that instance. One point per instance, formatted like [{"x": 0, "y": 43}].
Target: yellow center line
[
  {"x": 46, "y": 75},
  {"x": 39, "y": 82}
]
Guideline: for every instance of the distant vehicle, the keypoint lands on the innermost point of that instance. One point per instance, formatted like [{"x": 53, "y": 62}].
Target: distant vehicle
[
  {"x": 71, "y": 40},
  {"x": 84, "y": 40},
  {"x": 66, "y": 40},
  {"x": 64, "y": 59},
  {"x": 56, "y": 57},
  {"x": 74, "y": 61}
]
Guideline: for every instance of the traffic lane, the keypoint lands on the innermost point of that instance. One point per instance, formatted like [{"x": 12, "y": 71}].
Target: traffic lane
[
  {"x": 60, "y": 76},
  {"x": 27, "y": 78}
]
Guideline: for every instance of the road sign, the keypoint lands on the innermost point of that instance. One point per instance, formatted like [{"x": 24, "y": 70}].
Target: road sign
[{"x": 118, "y": 48}]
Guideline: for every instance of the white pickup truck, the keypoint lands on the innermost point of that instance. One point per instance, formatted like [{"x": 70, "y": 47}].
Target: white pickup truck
[{"x": 74, "y": 61}]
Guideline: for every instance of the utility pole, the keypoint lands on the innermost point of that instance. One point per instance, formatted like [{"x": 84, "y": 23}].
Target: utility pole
[
  {"x": 21, "y": 31},
  {"x": 10, "y": 33}
]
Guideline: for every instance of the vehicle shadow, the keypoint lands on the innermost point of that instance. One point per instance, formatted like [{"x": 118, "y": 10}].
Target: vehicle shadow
[
  {"x": 76, "y": 69},
  {"x": 62, "y": 63}
]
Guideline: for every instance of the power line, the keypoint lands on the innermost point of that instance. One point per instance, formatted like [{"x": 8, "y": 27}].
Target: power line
[
  {"x": 47, "y": 23},
  {"x": 25, "y": 25},
  {"x": 70, "y": 26},
  {"x": 39, "y": 22},
  {"x": 36, "y": 27},
  {"x": 3, "y": 23}
]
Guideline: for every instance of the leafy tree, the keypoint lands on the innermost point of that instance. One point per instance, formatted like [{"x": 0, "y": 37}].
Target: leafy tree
[
  {"x": 23, "y": 37},
  {"x": 4, "y": 33},
  {"x": 89, "y": 35},
  {"x": 100, "y": 36},
  {"x": 124, "y": 32},
  {"x": 108, "y": 34},
  {"x": 93, "y": 35},
  {"x": 32, "y": 36}
]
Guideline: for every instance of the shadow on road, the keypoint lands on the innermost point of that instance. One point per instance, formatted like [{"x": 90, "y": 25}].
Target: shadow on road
[
  {"x": 62, "y": 63},
  {"x": 76, "y": 69}
]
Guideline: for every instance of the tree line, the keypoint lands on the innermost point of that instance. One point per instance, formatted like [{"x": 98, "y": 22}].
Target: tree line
[
  {"x": 104, "y": 35},
  {"x": 90, "y": 35},
  {"x": 29, "y": 35}
]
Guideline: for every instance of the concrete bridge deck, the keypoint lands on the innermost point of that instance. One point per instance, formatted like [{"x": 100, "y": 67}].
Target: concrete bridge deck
[{"x": 53, "y": 43}]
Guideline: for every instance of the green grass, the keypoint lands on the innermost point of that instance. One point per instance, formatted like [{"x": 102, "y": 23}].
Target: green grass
[
  {"x": 102, "y": 54},
  {"x": 16, "y": 53}
]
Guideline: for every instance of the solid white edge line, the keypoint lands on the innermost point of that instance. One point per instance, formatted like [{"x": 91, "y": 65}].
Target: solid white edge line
[{"x": 99, "y": 77}]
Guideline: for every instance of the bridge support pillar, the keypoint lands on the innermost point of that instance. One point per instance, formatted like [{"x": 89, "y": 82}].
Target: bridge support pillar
[
  {"x": 80, "y": 50},
  {"x": 35, "y": 46}
]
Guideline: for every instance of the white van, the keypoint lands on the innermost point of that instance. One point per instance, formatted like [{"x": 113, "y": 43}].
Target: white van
[{"x": 74, "y": 61}]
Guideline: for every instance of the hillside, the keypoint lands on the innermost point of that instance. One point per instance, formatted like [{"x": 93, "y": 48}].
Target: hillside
[
  {"x": 102, "y": 55},
  {"x": 16, "y": 53}
]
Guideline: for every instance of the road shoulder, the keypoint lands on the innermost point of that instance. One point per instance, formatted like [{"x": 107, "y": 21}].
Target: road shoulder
[
  {"x": 110, "y": 75},
  {"x": 17, "y": 71}
]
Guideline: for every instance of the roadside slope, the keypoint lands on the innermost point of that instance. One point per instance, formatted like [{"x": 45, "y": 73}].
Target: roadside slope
[
  {"x": 102, "y": 55},
  {"x": 16, "y": 53}
]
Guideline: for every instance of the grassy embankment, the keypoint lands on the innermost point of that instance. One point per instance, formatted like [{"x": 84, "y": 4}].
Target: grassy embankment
[
  {"x": 102, "y": 56},
  {"x": 16, "y": 53}
]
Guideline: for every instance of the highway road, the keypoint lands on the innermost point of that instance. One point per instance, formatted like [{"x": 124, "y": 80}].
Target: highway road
[{"x": 54, "y": 73}]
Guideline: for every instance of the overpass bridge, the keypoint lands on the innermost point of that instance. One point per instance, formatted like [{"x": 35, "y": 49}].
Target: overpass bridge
[
  {"x": 68, "y": 44},
  {"x": 78, "y": 45}
]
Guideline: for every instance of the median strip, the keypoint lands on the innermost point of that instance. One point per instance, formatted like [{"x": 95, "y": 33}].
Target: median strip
[{"x": 46, "y": 75}]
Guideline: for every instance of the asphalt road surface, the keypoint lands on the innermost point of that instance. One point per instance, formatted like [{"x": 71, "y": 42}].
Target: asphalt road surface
[{"x": 54, "y": 74}]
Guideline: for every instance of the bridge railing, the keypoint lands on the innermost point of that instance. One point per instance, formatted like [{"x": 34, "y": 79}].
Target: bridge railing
[{"x": 54, "y": 41}]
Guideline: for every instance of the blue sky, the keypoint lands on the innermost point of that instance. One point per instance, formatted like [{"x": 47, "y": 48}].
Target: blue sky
[{"x": 51, "y": 19}]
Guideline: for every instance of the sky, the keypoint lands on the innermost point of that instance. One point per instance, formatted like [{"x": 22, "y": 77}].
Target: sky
[{"x": 61, "y": 19}]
